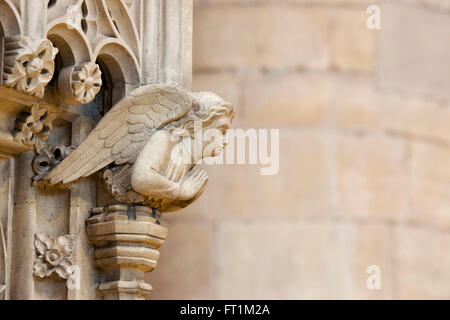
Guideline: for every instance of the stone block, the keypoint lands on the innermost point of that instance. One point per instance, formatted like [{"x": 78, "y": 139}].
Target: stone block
[
  {"x": 282, "y": 260},
  {"x": 352, "y": 102},
  {"x": 373, "y": 245},
  {"x": 422, "y": 263},
  {"x": 283, "y": 100},
  {"x": 429, "y": 185},
  {"x": 266, "y": 36},
  {"x": 184, "y": 270},
  {"x": 371, "y": 177},
  {"x": 413, "y": 55},
  {"x": 352, "y": 43},
  {"x": 300, "y": 189}
]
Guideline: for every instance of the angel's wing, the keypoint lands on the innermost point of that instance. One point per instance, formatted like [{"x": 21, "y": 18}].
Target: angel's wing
[{"x": 122, "y": 132}]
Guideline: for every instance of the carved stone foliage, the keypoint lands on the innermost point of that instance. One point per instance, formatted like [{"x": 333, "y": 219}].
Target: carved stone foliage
[
  {"x": 127, "y": 241},
  {"x": 28, "y": 65},
  {"x": 33, "y": 124},
  {"x": 48, "y": 157},
  {"x": 53, "y": 255}
]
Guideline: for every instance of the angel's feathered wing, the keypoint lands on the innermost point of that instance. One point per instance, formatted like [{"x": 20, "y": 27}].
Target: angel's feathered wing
[{"x": 123, "y": 131}]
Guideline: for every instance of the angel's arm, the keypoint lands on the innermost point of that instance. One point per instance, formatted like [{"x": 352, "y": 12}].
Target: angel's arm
[
  {"x": 146, "y": 177},
  {"x": 153, "y": 184}
]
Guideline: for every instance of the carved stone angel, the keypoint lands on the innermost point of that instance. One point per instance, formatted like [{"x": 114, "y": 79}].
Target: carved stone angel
[{"x": 145, "y": 146}]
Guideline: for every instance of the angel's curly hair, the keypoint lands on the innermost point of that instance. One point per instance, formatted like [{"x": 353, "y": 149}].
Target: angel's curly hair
[{"x": 206, "y": 107}]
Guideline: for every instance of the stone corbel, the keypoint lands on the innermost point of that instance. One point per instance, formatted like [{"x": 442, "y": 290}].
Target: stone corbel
[{"x": 127, "y": 241}]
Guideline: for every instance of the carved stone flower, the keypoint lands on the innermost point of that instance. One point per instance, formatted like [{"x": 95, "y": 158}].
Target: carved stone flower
[
  {"x": 54, "y": 255},
  {"x": 31, "y": 67},
  {"x": 86, "y": 82},
  {"x": 33, "y": 125}
]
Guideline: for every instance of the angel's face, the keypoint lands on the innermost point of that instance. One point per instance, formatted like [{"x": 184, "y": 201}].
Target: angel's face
[
  {"x": 222, "y": 123},
  {"x": 215, "y": 142}
]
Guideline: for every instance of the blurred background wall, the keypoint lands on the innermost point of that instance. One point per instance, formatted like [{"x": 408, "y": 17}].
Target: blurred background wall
[{"x": 364, "y": 179}]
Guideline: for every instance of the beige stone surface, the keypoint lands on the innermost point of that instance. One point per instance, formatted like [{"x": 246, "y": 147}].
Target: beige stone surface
[
  {"x": 422, "y": 263},
  {"x": 364, "y": 150},
  {"x": 419, "y": 117},
  {"x": 372, "y": 244},
  {"x": 430, "y": 173},
  {"x": 282, "y": 260},
  {"x": 226, "y": 84},
  {"x": 267, "y": 36},
  {"x": 352, "y": 43},
  {"x": 296, "y": 191},
  {"x": 200, "y": 3},
  {"x": 281, "y": 100},
  {"x": 186, "y": 263},
  {"x": 352, "y": 102},
  {"x": 413, "y": 57},
  {"x": 371, "y": 176}
]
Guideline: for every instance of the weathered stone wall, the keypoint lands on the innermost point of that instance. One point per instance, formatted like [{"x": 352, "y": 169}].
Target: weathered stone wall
[{"x": 364, "y": 118}]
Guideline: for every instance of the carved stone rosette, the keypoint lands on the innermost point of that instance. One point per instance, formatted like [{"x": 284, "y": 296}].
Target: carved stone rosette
[
  {"x": 126, "y": 240},
  {"x": 53, "y": 255},
  {"x": 79, "y": 84},
  {"x": 28, "y": 65},
  {"x": 33, "y": 124}
]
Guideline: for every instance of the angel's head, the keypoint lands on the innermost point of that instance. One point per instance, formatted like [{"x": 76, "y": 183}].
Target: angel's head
[
  {"x": 208, "y": 109},
  {"x": 216, "y": 116},
  {"x": 212, "y": 113}
]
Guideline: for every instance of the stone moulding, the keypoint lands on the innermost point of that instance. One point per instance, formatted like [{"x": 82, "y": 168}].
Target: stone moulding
[{"x": 127, "y": 241}]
